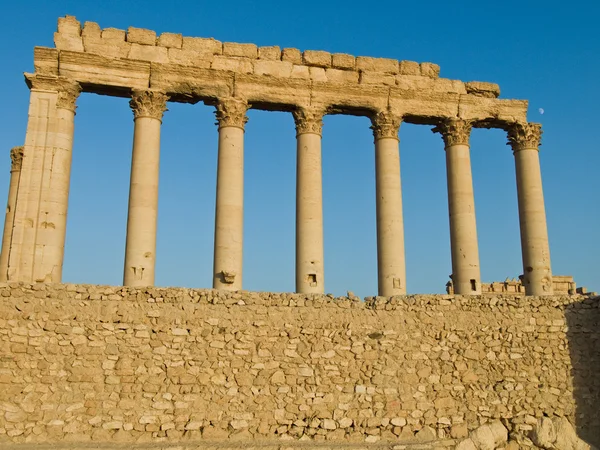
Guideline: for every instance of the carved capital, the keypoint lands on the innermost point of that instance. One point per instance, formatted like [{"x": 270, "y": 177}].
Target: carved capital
[
  {"x": 148, "y": 103},
  {"x": 68, "y": 90},
  {"x": 454, "y": 131},
  {"x": 309, "y": 120},
  {"x": 16, "y": 157},
  {"x": 231, "y": 112},
  {"x": 385, "y": 124},
  {"x": 524, "y": 135}
]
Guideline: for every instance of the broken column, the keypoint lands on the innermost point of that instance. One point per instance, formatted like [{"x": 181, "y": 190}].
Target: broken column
[
  {"x": 391, "y": 264},
  {"x": 148, "y": 107},
  {"x": 309, "y": 201},
  {"x": 229, "y": 210},
  {"x": 537, "y": 274},
  {"x": 466, "y": 276},
  {"x": 40, "y": 219},
  {"x": 16, "y": 157}
]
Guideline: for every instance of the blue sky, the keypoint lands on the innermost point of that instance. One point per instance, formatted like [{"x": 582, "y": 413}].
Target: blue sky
[{"x": 545, "y": 52}]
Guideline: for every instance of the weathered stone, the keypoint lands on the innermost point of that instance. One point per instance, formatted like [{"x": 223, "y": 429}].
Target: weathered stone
[
  {"x": 170, "y": 40},
  {"x": 141, "y": 36}
]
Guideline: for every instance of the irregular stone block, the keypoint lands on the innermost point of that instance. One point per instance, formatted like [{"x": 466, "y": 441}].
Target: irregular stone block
[
  {"x": 68, "y": 42},
  {"x": 430, "y": 70},
  {"x": 409, "y": 68},
  {"x": 240, "y": 65},
  {"x": 189, "y": 58},
  {"x": 343, "y": 61},
  {"x": 240, "y": 50},
  {"x": 203, "y": 45},
  {"x": 300, "y": 72},
  {"x": 317, "y": 74},
  {"x": 148, "y": 53},
  {"x": 316, "y": 58},
  {"x": 377, "y": 78},
  {"x": 141, "y": 36},
  {"x": 113, "y": 34},
  {"x": 69, "y": 25},
  {"x": 341, "y": 76},
  {"x": 272, "y": 53},
  {"x": 292, "y": 55},
  {"x": 170, "y": 40},
  {"x": 483, "y": 89},
  {"x": 281, "y": 69},
  {"x": 115, "y": 50},
  {"x": 91, "y": 30},
  {"x": 385, "y": 65},
  {"x": 411, "y": 82}
]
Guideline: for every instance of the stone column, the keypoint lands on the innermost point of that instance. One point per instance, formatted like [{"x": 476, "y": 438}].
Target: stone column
[
  {"x": 229, "y": 210},
  {"x": 309, "y": 201},
  {"x": 391, "y": 263},
  {"x": 140, "y": 248},
  {"x": 16, "y": 156},
  {"x": 466, "y": 275},
  {"x": 40, "y": 218},
  {"x": 537, "y": 274}
]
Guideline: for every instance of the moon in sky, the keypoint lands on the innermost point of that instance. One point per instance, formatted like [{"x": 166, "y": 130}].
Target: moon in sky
[{"x": 541, "y": 110}]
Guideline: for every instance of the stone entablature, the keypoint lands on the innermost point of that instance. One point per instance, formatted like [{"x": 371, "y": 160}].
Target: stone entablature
[
  {"x": 192, "y": 69},
  {"x": 82, "y": 363},
  {"x": 561, "y": 285}
]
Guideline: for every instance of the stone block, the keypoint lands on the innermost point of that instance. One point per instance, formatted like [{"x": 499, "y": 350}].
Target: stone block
[
  {"x": 92, "y": 31},
  {"x": 72, "y": 43},
  {"x": 483, "y": 89},
  {"x": 446, "y": 85},
  {"x": 113, "y": 34},
  {"x": 384, "y": 65},
  {"x": 343, "y": 61},
  {"x": 414, "y": 83},
  {"x": 280, "y": 69},
  {"x": 189, "y": 58},
  {"x": 292, "y": 55},
  {"x": 316, "y": 58},
  {"x": 239, "y": 65},
  {"x": 272, "y": 53},
  {"x": 409, "y": 68},
  {"x": 300, "y": 72},
  {"x": 240, "y": 50},
  {"x": 430, "y": 70},
  {"x": 341, "y": 76},
  {"x": 170, "y": 40},
  {"x": 386, "y": 79},
  {"x": 69, "y": 25},
  {"x": 148, "y": 53},
  {"x": 203, "y": 45},
  {"x": 110, "y": 50},
  {"x": 141, "y": 36},
  {"x": 317, "y": 74},
  {"x": 45, "y": 60}
]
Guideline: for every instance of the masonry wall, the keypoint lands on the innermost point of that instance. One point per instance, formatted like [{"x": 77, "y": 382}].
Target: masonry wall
[{"x": 112, "y": 363}]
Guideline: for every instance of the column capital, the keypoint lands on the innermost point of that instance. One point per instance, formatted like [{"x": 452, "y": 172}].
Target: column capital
[
  {"x": 309, "y": 120},
  {"x": 524, "y": 135},
  {"x": 385, "y": 124},
  {"x": 454, "y": 131},
  {"x": 16, "y": 157},
  {"x": 148, "y": 103},
  {"x": 231, "y": 112},
  {"x": 68, "y": 90}
]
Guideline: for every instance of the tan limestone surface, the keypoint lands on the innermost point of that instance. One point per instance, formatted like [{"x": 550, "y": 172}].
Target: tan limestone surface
[{"x": 107, "y": 364}]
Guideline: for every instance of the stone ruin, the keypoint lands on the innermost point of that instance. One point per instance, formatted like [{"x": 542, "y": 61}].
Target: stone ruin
[{"x": 140, "y": 367}]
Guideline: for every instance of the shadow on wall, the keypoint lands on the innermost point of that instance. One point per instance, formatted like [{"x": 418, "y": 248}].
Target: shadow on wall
[{"x": 583, "y": 335}]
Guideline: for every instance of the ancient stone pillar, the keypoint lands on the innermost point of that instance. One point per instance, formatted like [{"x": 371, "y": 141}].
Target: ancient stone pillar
[
  {"x": 466, "y": 275},
  {"x": 140, "y": 248},
  {"x": 229, "y": 211},
  {"x": 537, "y": 274},
  {"x": 16, "y": 156},
  {"x": 36, "y": 244},
  {"x": 309, "y": 201},
  {"x": 391, "y": 263}
]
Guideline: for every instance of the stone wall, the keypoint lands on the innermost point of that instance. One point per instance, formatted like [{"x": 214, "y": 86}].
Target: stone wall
[{"x": 124, "y": 364}]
